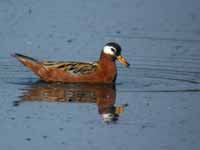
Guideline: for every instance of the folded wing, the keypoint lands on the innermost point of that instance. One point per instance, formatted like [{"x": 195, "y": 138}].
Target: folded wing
[{"x": 76, "y": 68}]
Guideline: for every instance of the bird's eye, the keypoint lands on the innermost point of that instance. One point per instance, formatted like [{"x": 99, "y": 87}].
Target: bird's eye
[{"x": 113, "y": 50}]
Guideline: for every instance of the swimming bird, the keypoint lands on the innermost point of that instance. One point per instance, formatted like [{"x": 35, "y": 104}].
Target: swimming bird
[{"x": 102, "y": 71}]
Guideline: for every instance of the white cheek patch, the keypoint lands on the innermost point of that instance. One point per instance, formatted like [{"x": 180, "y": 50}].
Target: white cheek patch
[{"x": 107, "y": 50}]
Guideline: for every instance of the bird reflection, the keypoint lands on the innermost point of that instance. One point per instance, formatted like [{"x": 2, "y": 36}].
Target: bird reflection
[{"x": 102, "y": 95}]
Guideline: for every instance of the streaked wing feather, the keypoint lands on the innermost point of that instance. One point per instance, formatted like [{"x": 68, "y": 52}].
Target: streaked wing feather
[{"x": 77, "y": 68}]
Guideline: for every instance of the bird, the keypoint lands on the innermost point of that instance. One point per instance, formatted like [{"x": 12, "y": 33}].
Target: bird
[{"x": 102, "y": 71}]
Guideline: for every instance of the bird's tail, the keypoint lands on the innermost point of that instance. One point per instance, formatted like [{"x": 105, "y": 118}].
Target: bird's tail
[
  {"x": 23, "y": 58},
  {"x": 29, "y": 62}
]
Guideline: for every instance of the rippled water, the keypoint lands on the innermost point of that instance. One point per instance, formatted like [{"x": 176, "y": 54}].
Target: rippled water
[
  {"x": 155, "y": 100},
  {"x": 153, "y": 105}
]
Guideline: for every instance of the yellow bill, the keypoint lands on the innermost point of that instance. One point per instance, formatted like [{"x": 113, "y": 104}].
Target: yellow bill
[{"x": 122, "y": 60}]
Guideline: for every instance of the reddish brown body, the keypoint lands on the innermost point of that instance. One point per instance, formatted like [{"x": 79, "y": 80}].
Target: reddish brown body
[
  {"x": 105, "y": 73},
  {"x": 102, "y": 71}
]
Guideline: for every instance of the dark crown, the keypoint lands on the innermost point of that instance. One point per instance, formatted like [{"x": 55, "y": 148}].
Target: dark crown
[{"x": 116, "y": 46}]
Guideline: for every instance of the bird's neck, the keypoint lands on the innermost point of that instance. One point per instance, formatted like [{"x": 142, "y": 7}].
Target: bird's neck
[
  {"x": 106, "y": 59},
  {"x": 108, "y": 67}
]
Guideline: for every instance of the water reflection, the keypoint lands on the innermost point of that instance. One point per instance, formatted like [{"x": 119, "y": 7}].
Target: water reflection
[{"x": 102, "y": 95}]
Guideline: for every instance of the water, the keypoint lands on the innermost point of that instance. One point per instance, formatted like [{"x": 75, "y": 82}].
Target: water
[{"x": 153, "y": 105}]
